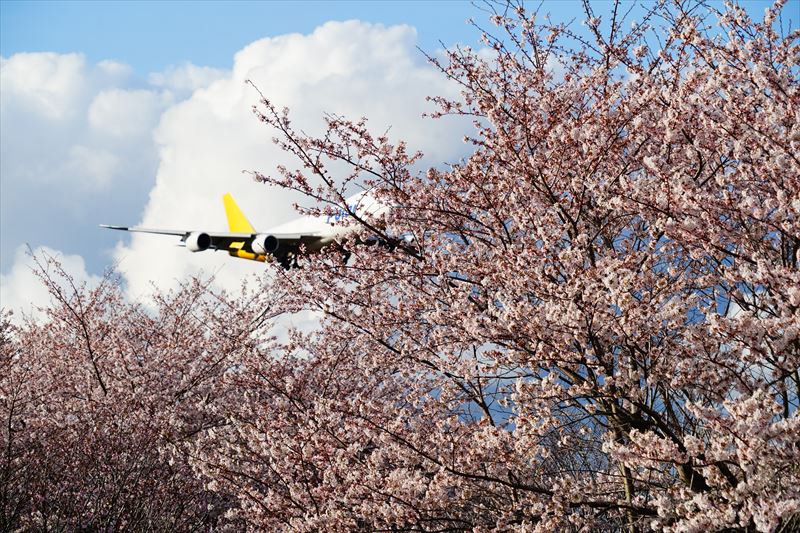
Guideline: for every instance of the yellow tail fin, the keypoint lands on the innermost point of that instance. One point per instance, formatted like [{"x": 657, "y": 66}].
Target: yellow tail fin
[{"x": 237, "y": 222}]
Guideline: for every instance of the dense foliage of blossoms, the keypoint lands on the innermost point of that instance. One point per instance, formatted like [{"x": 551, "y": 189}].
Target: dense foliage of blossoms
[
  {"x": 94, "y": 398},
  {"x": 591, "y": 323}
]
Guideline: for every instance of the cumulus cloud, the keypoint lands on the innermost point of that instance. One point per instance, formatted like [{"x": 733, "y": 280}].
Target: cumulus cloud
[
  {"x": 46, "y": 84},
  {"x": 115, "y": 69},
  {"x": 76, "y": 149},
  {"x": 346, "y": 68},
  {"x": 186, "y": 78},
  {"x": 97, "y": 165},
  {"x": 24, "y": 293},
  {"x": 126, "y": 113}
]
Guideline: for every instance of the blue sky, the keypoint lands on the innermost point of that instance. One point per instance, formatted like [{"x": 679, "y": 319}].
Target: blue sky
[
  {"x": 136, "y": 112},
  {"x": 152, "y": 35}
]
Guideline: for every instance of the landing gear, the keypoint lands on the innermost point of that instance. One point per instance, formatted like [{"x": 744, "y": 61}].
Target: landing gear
[
  {"x": 374, "y": 241},
  {"x": 288, "y": 261}
]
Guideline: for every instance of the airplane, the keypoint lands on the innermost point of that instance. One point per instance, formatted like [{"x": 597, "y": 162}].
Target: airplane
[{"x": 282, "y": 244}]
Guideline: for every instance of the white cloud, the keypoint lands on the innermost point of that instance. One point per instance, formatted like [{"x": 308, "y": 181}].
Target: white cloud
[
  {"x": 48, "y": 84},
  {"x": 98, "y": 166},
  {"x": 76, "y": 150},
  {"x": 23, "y": 292},
  {"x": 115, "y": 69},
  {"x": 347, "y": 68},
  {"x": 186, "y": 77},
  {"x": 125, "y": 113}
]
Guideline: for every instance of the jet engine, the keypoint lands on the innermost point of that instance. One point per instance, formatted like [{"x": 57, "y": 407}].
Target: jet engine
[
  {"x": 265, "y": 244},
  {"x": 198, "y": 241}
]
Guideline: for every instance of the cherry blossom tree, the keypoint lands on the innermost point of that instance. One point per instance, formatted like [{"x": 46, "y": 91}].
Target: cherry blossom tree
[
  {"x": 590, "y": 323},
  {"x": 94, "y": 398}
]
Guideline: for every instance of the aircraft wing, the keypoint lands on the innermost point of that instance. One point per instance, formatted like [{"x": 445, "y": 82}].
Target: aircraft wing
[
  {"x": 222, "y": 239},
  {"x": 218, "y": 240}
]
